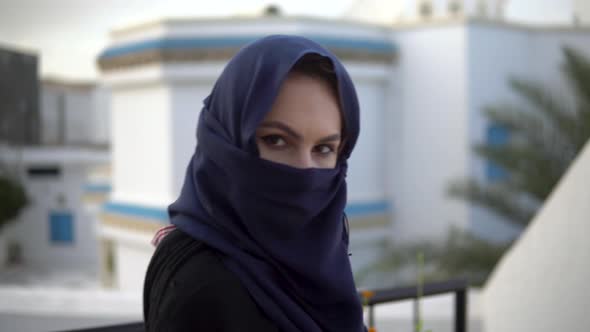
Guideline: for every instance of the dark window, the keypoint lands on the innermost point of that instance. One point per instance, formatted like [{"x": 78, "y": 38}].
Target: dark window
[
  {"x": 19, "y": 98},
  {"x": 44, "y": 172}
]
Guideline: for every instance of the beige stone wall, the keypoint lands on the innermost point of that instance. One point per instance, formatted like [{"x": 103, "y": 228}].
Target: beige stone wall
[{"x": 542, "y": 283}]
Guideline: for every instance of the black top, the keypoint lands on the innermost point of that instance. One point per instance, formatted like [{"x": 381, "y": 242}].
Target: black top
[{"x": 187, "y": 288}]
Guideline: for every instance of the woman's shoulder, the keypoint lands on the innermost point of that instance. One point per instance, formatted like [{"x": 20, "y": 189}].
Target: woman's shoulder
[
  {"x": 191, "y": 259},
  {"x": 198, "y": 266},
  {"x": 195, "y": 289},
  {"x": 183, "y": 262}
]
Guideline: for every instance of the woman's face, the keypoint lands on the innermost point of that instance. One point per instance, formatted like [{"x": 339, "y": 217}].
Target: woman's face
[{"x": 303, "y": 128}]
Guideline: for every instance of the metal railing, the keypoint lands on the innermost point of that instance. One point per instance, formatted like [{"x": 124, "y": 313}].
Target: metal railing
[
  {"x": 131, "y": 327},
  {"x": 371, "y": 299},
  {"x": 459, "y": 287}
]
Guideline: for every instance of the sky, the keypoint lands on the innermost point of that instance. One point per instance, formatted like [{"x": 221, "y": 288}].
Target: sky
[{"x": 69, "y": 34}]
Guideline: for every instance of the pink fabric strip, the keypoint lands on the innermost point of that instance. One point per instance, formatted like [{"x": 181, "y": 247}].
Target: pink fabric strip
[{"x": 161, "y": 233}]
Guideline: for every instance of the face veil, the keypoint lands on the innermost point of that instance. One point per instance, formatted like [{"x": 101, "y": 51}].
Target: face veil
[{"x": 281, "y": 229}]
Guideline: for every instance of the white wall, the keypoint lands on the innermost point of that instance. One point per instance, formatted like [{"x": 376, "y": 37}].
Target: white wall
[
  {"x": 79, "y": 109},
  {"x": 393, "y": 119},
  {"x": 541, "y": 283},
  {"x": 141, "y": 150},
  {"x": 49, "y": 114},
  {"x": 101, "y": 116},
  {"x": 186, "y": 105},
  {"x": 548, "y": 56},
  {"x": 132, "y": 262},
  {"x": 582, "y": 10},
  {"x": 496, "y": 53},
  {"x": 132, "y": 253},
  {"x": 32, "y": 229},
  {"x": 154, "y": 120},
  {"x": 367, "y": 168},
  {"x": 432, "y": 76}
]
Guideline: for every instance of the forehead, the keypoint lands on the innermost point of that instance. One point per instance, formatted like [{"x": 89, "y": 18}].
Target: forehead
[{"x": 306, "y": 101}]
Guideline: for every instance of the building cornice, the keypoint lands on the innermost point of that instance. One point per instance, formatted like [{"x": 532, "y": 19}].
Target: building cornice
[
  {"x": 224, "y": 21},
  {"x": 202, "y": 49}
]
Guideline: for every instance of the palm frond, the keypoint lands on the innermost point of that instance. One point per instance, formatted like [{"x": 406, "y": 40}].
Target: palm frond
[
  {"x": 498, "y": 198},
  {"x": 577, "y": 71},
  {"x": 530, "y": 128},
  {"x": 552, "y": 108},
  {"x": 545, "y": 136},
  {"x": 529, "y": 170}
]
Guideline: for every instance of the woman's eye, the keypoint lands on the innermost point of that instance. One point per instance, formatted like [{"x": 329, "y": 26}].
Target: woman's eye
[
  {"x": 274, "y": 140},
  {"x": 324, "y": 149}
]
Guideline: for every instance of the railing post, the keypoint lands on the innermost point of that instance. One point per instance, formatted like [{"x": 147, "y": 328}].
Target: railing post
[
  {"x": 461, "y": 310},
  {"x": 416, "y": 314},
  {"x": 371, "y": 317}
]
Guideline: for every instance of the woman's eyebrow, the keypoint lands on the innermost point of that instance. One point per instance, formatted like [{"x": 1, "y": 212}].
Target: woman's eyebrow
[
  {"x": 282, "y": 126},
  {"x": 331, "y": 138},
  {"x": 294, "y": 134}
]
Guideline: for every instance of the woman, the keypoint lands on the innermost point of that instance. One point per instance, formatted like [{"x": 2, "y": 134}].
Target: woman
[{"x": 259, "y": 239}]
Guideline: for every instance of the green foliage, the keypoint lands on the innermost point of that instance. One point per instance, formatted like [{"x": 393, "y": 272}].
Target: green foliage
[
  {"x": 12, "y": 199},
  {"x": 419, "y": 324},
  {"x": 462, "y": 255},
  {"x": 466, "y": 256},
  {"x": 545, "y": 137}
]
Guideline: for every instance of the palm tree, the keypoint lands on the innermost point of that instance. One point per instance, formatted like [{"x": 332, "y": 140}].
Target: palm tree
[
  {"x": 544, "y": 139},
  {"x": 12, "y": 199},
  {"x": 461, "y": 255}
]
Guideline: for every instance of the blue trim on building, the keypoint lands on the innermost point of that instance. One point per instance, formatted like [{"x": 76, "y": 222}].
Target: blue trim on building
[
  {"x": 235, "y": 42},
  {"x": 363, "y": 209},
  {"x": 496, "y": 135},
  {"x": 495, "y": 173},
  {"x": 144, "y": 212},
  {"x": 97, "y": 188},
  {"x": 161, "y": 215}
]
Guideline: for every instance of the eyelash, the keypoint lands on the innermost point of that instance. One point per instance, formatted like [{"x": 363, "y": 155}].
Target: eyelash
[{"x": 268, "y": 140}]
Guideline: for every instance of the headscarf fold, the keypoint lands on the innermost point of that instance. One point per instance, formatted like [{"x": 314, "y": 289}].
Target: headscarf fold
[{"x": 281, "y": 229}]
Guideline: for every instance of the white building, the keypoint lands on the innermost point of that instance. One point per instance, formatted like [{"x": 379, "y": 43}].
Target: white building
[
  {"x": 445, "y": 75},
  {"x": 65, "y": 176},
  {"x": 540, "y": 12},
  {"x": 421, "y": 87},
  {"x": 160, "y": 72}
]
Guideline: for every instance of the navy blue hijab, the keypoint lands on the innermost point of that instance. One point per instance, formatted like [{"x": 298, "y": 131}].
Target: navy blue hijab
[{"x": 281, "y": 229}]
